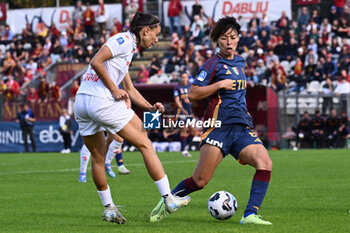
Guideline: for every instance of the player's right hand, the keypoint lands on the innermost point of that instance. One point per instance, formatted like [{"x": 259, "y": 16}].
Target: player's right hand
[
  {"x": 226, "y": 84},
  {"x": 120, "y": 94}
]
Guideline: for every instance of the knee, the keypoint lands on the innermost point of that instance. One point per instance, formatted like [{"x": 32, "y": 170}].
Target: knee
[
  {"x": 268, "y": 163},
  {"x": 144, "y": 144},
  {"x": 263, "y": 162}
]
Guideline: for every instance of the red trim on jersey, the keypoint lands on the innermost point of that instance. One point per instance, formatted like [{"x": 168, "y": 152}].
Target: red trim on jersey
[{"x": 209, "y": 62}]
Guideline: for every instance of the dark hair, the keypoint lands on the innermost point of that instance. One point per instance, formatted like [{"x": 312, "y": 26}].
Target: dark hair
[
  {"x": 142, "y": 20},
  {"x": 222, "y": 26}
]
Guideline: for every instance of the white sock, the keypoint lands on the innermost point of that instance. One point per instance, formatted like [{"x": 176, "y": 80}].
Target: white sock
[
  {"x": 84, "y": 159},
  {"x": 112, "y": 149},
  {"x": 106, "y": 197},
  {"x": 163, "y": 186}
]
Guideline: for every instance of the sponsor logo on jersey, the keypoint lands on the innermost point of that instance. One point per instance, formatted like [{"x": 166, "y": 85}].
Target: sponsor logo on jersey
[
  {"x": 202, "y": 75},
  {"x": 228, "y": 72},
  {"x": 225, "y": 67},
  {"x": 214, "y": 142},
  {"x": 120, "y": 40},
  {"x": 235, "y": 70}
]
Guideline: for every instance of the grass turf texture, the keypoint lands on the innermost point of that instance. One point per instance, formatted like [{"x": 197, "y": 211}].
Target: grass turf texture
[{"x": 39, "y": 192}]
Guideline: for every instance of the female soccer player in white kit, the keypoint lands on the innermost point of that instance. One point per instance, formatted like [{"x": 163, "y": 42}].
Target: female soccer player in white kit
[{"x": 100, "y": 105}]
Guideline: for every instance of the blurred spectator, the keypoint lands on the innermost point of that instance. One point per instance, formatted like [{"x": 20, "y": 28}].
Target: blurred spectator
[
  {"x": 37, "y": 51},
  {"x": 342, "y": 90},
  {"x": 101, "y": 16},
  {"x": 303, "y": 131},
  {"x": 271, "y": 57},
  {"x": 80, "y": 56},
  {"x": 317, "y": 126},
  {"x": 278, "y": 81},
  {"x": 316, "y": 17},
  {"x": 65, "y": 128},
  {"x": 158, "y": 78},
  {"x": 118, "y": 25},
  {"x": 89, "y": 19},
  {"x": 331, "y": 129},
  {"x": 53, "y": 31},
  {"x": 77, "y": 13},
  {"x": 260, "y": 69},
  {"x": 55, "y": 92},
  {"x": 245, "y": 41},
  {"x": 301, "y": 81},
  {"x": 282, "y": 23},
  {"x": 327, "y": 89},
  {"x": 26, "y": 120},
  {"x": 19, "y": 53},
  {"x": 8, "y": 64},
  {"x": 63, "y": 39},
  {"x": 343, "y": 130},
  {"x": 12, "y": 89},
  {"x": 339, "y": 4},
  {"x": 329, "y": 67},
  {"x": 45, "y": 58},
  {"x": 304, "y": 17},
  {"x": 197, "y": 35},
  {"x": 143, "y": 74},
  {"x": 310, "y": 69},
  {"x": 197, "y": 9},
  {"x": 311, "y": 56},
  {"x": 32, "y": 96},
  {"x": 326, "y": 26},
  {"x": 130, "y": 11},
  {"x": 56, "y": 51},
  {"x": 197, "y": 21},
  {"x": 41, "y": 30},
  {"x": 3, "y": 86},
  {"x": 7, "y": 34},
  {"x": 28, "y": 75},
  {"x": 174, "y": 11},
  {"x": 155, "y": 66},
  {"x": 43, "y": 90},
  {"x": 174, "y": 77},
  {"x": 291, "y": 49},
  {"x": 332, "y": 14}
]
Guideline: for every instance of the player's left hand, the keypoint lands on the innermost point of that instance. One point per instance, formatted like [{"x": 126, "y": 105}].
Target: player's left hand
[{"x": 159, "y": 106}]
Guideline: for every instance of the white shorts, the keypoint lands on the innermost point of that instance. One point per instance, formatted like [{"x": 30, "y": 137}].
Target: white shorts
[{"x": 95, "y": 114}]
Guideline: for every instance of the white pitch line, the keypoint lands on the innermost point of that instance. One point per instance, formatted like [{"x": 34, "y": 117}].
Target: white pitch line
[{"x": 77, "y": 169}]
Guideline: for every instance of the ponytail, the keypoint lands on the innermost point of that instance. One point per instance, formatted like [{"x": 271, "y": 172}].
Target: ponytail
[{"x": 142, "y": 20}]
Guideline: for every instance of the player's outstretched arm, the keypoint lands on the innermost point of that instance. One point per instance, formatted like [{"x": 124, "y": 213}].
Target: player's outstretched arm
[{"x": 201, "y": 92}]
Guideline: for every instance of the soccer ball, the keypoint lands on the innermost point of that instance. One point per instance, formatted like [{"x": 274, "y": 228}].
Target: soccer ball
[{"x": 222, "y": 205}]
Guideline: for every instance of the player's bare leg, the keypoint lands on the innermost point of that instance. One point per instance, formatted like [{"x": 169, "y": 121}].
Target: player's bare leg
[
  {"x": 96, "y": 145},
  {"x": 134, "y": 133}
]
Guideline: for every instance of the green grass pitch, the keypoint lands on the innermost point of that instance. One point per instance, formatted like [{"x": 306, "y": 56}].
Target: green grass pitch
[{"x": 40, "y": 192}]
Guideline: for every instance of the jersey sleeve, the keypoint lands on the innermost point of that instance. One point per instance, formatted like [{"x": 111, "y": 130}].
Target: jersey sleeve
[
  {"x": 176, "y": 92},
  {"x": 119, "y": 45},
  {"x": 205, "y": 73}
]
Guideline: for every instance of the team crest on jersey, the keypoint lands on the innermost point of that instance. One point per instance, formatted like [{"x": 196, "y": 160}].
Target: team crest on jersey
[
  {"x": 120, "y": 40},
  {"x": 202, "y": 75},
  {"x": 235, "y": 70}
]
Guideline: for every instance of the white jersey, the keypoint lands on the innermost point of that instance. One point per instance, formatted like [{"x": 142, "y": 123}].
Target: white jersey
[{"x": 122, "y": 46}]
